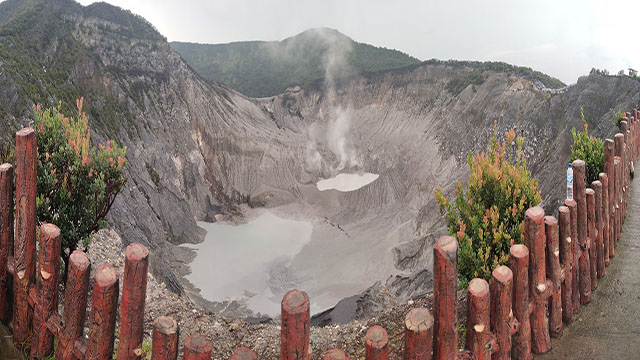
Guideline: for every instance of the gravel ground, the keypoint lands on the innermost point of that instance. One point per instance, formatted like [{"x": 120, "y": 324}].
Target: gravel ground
[{"x": 229, "y": 334}]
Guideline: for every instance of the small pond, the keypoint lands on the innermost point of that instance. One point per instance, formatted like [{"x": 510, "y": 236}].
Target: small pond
[{"x": 346, "y": 182}]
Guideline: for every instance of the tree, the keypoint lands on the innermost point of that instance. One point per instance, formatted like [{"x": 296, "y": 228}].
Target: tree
[
  {"x": 488, "y": 217},
  {"x": 77, "y": 182}
]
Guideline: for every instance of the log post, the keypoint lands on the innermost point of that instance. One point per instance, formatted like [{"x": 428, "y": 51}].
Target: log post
[
  {"x": 604, "y": 211},
  {"x": 445, "y": 275},
  {"x": 6, "y": 240},
  {"x": 295, "y": 329},
  {"x": 196, "y": 347},
  {"x": 25, "y": 240},
  {"x": 597, "y": 188},
  {"x": 579, "y": 193},
  {"x": 46, "y": 290},
  {"x": 244, "y": 353},
  {"x": 164, "y": 341},
  {"x": 519, "y": 265},
  {"x": 618, "y": 170},
  {"x": 554, "y": 272},
  {"x": 572, "y": 205},
  {"x": 102, "y": 319},
  {"x": 566, "y": 258},
  {"x": 539, "y": 287},
  {"x": 503, "y": 325},
  {"x": 418, "y": 334},
  {"x": 478, "y": 308},
  {"x": 624, "y": 126},
  {"x": 377, "y": 343},
  {"x": 134, "y": 290},
  {"x": 337, "y": 354},
  {"x": 591, "y": 225},
  {"x": 619, "y": 152},
  {"x": 609, "y": 154},
  {"x": 75, "y": 304}
]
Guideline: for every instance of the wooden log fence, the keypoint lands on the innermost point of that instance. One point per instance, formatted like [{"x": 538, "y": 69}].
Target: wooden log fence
[{"x": 513, "y": 316}]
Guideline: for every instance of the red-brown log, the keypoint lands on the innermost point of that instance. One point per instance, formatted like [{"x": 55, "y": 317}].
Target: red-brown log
[
  {"x": 75, "y": 304},
  {"x": 377, "y": 343},
  {"x": 599, "y": 223},
  {"x": 46, "y": 290},
  {"x": 337, "y": 354},
  {"x": 134, "y": 290},
  {"x": 503, "y": 325},
  {"x": 295, "y": 329},
  {"x": 164, "y": 341},
  {"x": 604, "y": 211},
  {"x": 566, "y": 259},
  {"x": 102, "y": 319},
  {"x": 579, "y": 193},
  {"x": 25, "y": 230},
  {"x": 418, "y": 334},
  {"x": 618, "y": 171},
  {"x": 539, "y": 287},
  {"x": 519, "y": 265},
  {"x": 197, "y": 347},
  {"x": 609, "y": 153},
  {"x": 478, "y": 308},
  {"x": 554, "y": 273},
  {"x": 484, "y": 345},
  {"x": 6, "y": 240},
  {"x": 445, "y": 300},
  {"x": 575, "y": 251},
  {"x": 591, "y": 243}
]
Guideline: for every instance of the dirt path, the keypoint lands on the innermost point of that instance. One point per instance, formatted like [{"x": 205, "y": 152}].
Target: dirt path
[{"x": 609, "y": 327}]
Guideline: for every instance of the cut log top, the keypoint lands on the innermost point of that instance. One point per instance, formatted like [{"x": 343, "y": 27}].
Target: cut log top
[
  {"x": 519, "y": 251},
  {"x": 448, "y": 245},
  {"x": 478, "y": 287},
  {"x": 579, "y": 164},
  {"x": 106, "y": 275},
  {"x": 590, "y": 191},
  {"x": 49, "y": 230},
  {"x": 244, "y": 353},
  {"x": 551, "y": 220},
  {"x": 198, "y": 344},
  {"x": 503, "y": 274},
  {"x": 377, "y": 336},
  {"x": 136, "y": 252},
  {"x": 609, "y": 144},
  {"x": 596, "y": 183},
  {"x": 80, "y": 260},
  {"x": 166, "y": 325},
  {"x": 570, "y": 203},
  {"x": 619, "y": 136},
  {"x": 535, "y": 213},
  {"x": 295, "y": 301},
  {"x": 419, "y": 319},
  {"x": 563, "y": 210},
  {"x": 335, "y": 354},
  {"x": 5, "y": 167},
  {"x": 25, "y": 132}
]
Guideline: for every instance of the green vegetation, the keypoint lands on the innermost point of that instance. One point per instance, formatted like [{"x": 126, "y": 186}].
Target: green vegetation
[
  {"x": 488, "y": 217},
  {"x": 618, "y": 117},
  {"x": 258, "y": 69},
  {"x": 476, "y": 77},
  {"x": 588, "y": 149},
  {"x": 77, "y": 182},
  {"x": 456, "y": 85},
  {"x": 153, "y": 174}
]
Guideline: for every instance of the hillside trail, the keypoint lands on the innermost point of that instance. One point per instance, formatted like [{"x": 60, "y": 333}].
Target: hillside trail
[{"x": 609, "y": 327}]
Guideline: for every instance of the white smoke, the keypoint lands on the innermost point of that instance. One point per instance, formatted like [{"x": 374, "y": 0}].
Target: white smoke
[{"x": 339, "y": 122}]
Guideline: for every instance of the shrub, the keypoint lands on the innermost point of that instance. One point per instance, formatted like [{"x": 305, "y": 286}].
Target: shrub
[
  {"x": 7, "y": 153},
  {"x": 617, "y": 118},
  {"x": 589, "y": 149},
  {"x": 77, "y": 182},
  {"x": 488, "y": 217}
]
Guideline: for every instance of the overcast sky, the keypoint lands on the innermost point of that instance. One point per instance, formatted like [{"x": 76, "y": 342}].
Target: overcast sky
[{"x": 562, "y": 38}]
